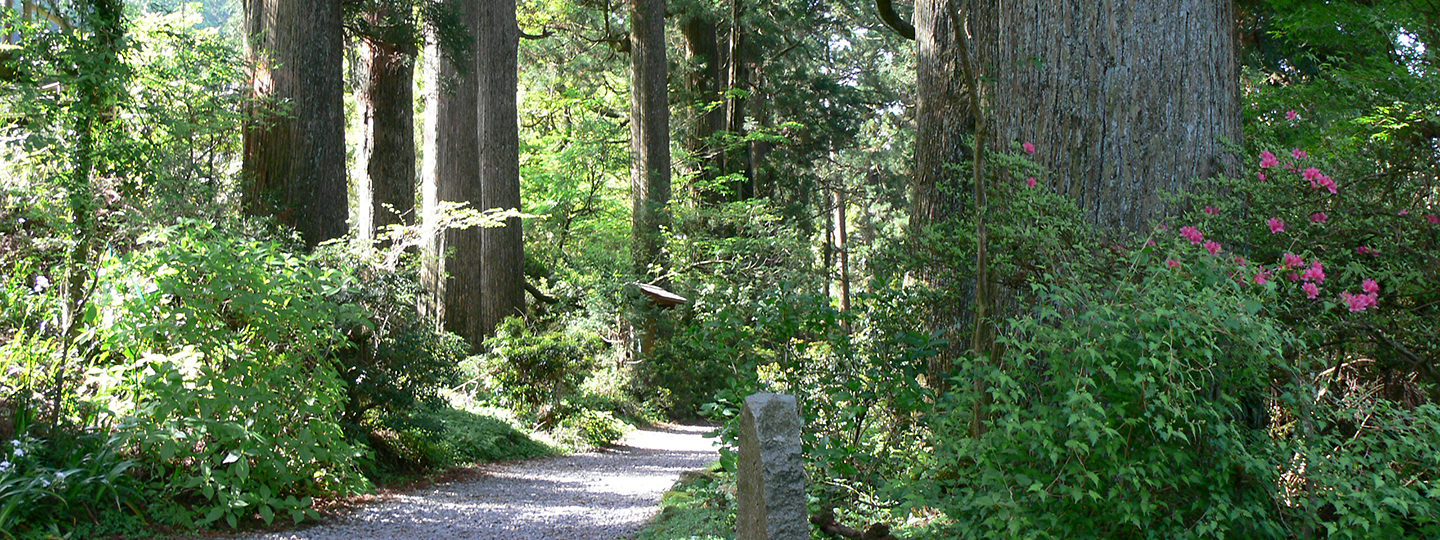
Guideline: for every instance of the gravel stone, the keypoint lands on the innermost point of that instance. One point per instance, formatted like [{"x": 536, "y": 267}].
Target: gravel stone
[{"x": 608, "y": 493}]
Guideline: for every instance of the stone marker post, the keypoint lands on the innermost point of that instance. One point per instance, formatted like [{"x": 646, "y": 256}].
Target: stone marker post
[{"x": 772, "y": 470}]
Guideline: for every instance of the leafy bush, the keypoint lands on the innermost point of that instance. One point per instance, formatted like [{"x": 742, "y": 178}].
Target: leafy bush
[
  {"x": 79, "y": 478},
  {"x": 532, "y": 373},
  {"x": 1135, "y": 412},
  {"x": 224, "y": 376}
]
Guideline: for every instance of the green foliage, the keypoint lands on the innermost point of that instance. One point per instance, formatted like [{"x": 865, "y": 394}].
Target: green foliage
[
  {"x": 1130, "y": 410},
  {"x": 533, "y": 372},
  {"x": 80, "y": 477},
  {"x": 223, "y": 376}
]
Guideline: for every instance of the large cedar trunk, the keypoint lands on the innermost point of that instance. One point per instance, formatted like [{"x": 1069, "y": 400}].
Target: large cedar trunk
[
  {"x": 736, "y": 158},
  {"x": 386, "y": 160},
  {"x": 649, "y": 134},
  {"x": 502, "y": 258},
  {"x": 294, "y": 163},
  {"x": 1124, "y": 100},
  {"x": 943, "y": 118},
  {"x": 451, "y": 172}
]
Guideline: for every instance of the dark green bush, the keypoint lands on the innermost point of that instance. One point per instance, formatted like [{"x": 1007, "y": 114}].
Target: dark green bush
[{"x": 532, "y": 373}]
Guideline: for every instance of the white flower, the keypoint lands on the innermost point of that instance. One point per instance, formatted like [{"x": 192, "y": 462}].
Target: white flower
[
  {"x": 44, "y": 482},
  {"x": 15, "y": 442},
  {"x": 41, "y": 283},
  {"x": 19, "y": 452},
  {"x": 4, "y": 466},
  {"x": 60, "y": 475}
]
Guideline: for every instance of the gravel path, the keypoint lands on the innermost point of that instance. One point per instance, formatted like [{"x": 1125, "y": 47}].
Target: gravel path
[{"x": 604, "y": 494}]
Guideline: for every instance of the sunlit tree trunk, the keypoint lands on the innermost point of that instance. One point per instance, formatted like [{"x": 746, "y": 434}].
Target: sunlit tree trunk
[
  {"x": 451, "y": 172},
  {"x": 385, "y": 92},
  {"x": 649, "y": 135},
  {"x": 294, "y": 161},
  {"x": 502, "y": 257}
]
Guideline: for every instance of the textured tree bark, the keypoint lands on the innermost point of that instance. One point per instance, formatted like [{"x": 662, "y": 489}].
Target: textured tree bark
[
  {"x": 843, "y": 247},
  {"x": 386, "y": 95},
  {"x": 702, "y": 53},
  {"x": 1124, "y": 100},
  {"x": 502, "y": 256},
  {"x": 943, "y": 119},
  {"x": 450, "y": 171},
  {"x": 649, "y": 134},
  {"x": 294, "y": 163}
]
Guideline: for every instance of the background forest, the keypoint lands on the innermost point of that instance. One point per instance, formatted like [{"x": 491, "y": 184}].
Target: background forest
[{"x": 1142, "y": 268}]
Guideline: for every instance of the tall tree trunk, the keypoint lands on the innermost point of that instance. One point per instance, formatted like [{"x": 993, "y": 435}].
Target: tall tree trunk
[
  {"x": 737, "y": 156},
  {"x": 843, "y": 247},
  {"x": 1124, "y": 100},
  {"x": 294, "y": 163},
  {"x": 828, "y": 254},
  {"x": 943, "y": 119},
  {"x": 502, "y": 257},
  {"x": 386, "y": 96},
  {"x": 451, "y": 172},
  {"x": 702, "y": 53},
  {"x": 649, "y": 134}
]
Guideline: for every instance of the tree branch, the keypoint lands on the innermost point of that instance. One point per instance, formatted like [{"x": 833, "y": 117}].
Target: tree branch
[{"x": 894, "y": 20}]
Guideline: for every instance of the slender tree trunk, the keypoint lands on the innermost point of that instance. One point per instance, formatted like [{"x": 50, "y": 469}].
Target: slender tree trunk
[
  {"x": 826, "y": 200},
  {"x": 451, "y": 172},
  {"x": 649, "y": 134},
  {"x": 294, "y": 162},
  {"x": 737, "y": 156},
  {"x": 702, "y": 52},
  {"x": 502, "y": 258},
  {"x": 843, "y": 247},
  {"x": 385, "y": 93}
]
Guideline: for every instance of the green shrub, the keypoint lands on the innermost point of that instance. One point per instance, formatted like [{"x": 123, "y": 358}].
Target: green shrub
[
  {"x": 532, "y": 373},
  {"x": 592, "y": 428},
  {"x": 223, "y": 373}
]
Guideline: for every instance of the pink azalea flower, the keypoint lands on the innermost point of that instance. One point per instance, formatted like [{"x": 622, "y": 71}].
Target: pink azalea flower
[
  {"x": 1311, "y": 174},
  {"x": 1276, "y": 225},
  {"x": 1268, "y": 160},
  {"x": 1261, "y": 176},
  {"x": 1404, "y": 212},
  {"x": 1359, "y": 302},
  {"x": 1293, "y": 277},
  {"x": 1150, "y": 242},
  {"x": 1370, "y": 286},
  {"x": 1211, "y": 210},
  {"x": 1172, "y": 263},
  {"x": 1192, "y": 234},
  {"x": 1316, "y": 273},
  {"x": 1029, "y": 147},
  {"x": 1299, "y": 154},
  {"x": 1366, "y": 250},
  {"x": 1293, "y": 261},
  {"x": 1213, "y": 247},
  {"x": 1433, "y": 219},
  {"x": 1030, "y": 182},
  {"x": 1240, "y": 261},
  {"x": 1311, "y": 290},
  {"x": 1262, "y": 276},
  {"x": 1291, "y": 114},
  {"x": 1319, "y": 217}
]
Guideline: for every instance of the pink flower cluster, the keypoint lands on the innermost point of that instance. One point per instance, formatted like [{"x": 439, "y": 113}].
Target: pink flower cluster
[
  {"x": 1318, "y": 180},
  {"x": 1319, "y": 217},
  {"x": 1368, "y": 298},
  {"x": 1268, "y": 160},
  {"x": 1192, "y": 234},
  {"x": 1276, "y": 225}
]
